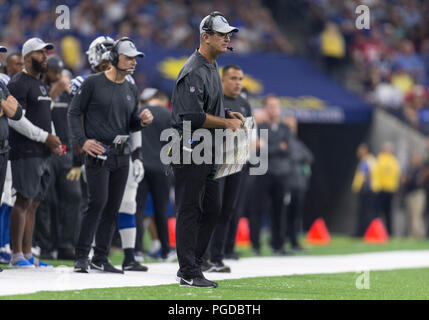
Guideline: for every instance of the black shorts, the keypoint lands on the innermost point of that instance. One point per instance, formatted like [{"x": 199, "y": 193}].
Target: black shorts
[{"x": 31, "y": 177}]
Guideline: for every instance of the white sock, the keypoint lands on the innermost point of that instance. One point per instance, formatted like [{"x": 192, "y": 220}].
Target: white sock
[
  {"x": 16, "y": 257},
  {"x": 128, "y": 237},
  {"x": 155, "y": 245}
]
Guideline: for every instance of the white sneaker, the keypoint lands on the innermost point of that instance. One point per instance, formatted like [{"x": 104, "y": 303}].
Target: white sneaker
[
  {"x": 171, "y": 256},
  {"x": 36, "y": 251},
  {"x": 139, "y": 256},
  {"x": 21, "y": 264}
]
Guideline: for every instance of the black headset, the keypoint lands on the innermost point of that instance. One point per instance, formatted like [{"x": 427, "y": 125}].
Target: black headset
[
  {"x": 208, "y": 24},
  {"x": 114, "y": 55}
]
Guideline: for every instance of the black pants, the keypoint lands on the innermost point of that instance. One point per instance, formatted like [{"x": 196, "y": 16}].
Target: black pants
[
  {"x": 384, "y": 201},
  {"x": 294, "y": 217},
  {"x": 198, "y": 205},
  {"x": 58, "y": 214},
  {"x": 4, "y": 157},
  {"x": 158, "y": 184},
  {"x": 244, "y": 203},
  {"x": 106, "y": 185},
  {"x": 270, "y": 188},
  {"x": 365, "y": 211},
  {"x": 230, "y": 191}
]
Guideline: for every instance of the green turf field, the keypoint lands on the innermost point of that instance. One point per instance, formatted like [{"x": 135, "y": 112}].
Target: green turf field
[
  {"x": 340, "y": 244},
  {"x": 395, "y": 284}
]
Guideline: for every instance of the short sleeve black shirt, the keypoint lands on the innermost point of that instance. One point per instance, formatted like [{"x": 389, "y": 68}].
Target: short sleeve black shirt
[
  {"x": 59, "y": 117},
  {"x": 151, "y": 144},
  {"x": 238, "y": 104},
  {"x": 33, "y": 96},
  {"x": 198, "y": 89}
]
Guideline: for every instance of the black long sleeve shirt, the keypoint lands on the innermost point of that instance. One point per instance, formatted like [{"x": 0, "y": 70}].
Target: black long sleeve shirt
[
  {"x": 278, "y": 159},
  {"x": 59, "y": 118},
  {"x": 108, "y": 109},
  {"x": 4, "y": 126},
  {"x": 151, "y": 144}
]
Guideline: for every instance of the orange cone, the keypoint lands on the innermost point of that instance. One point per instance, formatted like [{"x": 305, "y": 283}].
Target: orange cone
[
  {"x": 172, "y": 231},
  {"x": 318, "y": 233},
  {"x": 243, "y": 233},
  {"x": 376, "y": 232}
]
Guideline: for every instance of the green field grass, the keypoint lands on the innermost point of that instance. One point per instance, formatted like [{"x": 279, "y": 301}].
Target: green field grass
[
  {"x": 340, "y": 244},
  {"x": 395, "y": 284}
]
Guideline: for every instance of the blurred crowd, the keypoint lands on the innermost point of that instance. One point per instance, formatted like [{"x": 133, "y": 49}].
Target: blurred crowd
[
  {"x": 388, "y": 63},
  {"x": 152, "y": 24},
  {"x": 383, "y": 188}
]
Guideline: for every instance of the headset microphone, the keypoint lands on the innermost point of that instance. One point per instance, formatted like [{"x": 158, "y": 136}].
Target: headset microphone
[
  {"x": 114, "y": 54},
  {"x": 230, "y": 48},
  {"x": 126, "y": 70}
]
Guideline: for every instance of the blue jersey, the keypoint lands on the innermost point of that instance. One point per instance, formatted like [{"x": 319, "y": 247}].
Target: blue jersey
[{"x": 4, "y": 79}]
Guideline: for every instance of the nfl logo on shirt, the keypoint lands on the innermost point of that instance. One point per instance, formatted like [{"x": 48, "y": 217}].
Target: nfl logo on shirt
[
  {"x": 43, "y": 90},
  {"x": 192, "y": 89}
]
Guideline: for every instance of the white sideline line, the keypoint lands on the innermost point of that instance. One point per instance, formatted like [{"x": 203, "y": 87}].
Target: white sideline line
[{"x": 13, "y": 281}]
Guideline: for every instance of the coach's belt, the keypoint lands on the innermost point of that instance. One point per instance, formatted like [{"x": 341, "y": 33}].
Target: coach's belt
[{"x": 117, "y": 149}]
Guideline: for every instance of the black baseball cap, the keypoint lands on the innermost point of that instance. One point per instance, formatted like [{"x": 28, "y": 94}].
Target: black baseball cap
[{"x": 55, "y": 63}]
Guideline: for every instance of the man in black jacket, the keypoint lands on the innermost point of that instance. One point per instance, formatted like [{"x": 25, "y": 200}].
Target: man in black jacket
[
  {"x": 198, "y": 98},
  {"x": 58, "y": 215},
  {"x": 156, "y": 180},
  {"x": 272, "y": 187},
  {"x": 109, "y": 106},
  {"x": 9, "y": 109},
  {"x": 298, "y": 183},
  {"x": 231, "y": 186}
]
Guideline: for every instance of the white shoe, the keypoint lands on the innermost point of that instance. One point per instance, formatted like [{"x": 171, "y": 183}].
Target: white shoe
[
  {"x": 171, "y": 256},
  {"x": 139, "y": 256}
]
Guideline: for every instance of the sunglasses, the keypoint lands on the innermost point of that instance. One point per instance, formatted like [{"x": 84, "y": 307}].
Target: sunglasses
[{"x": 222, "y": 35}]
